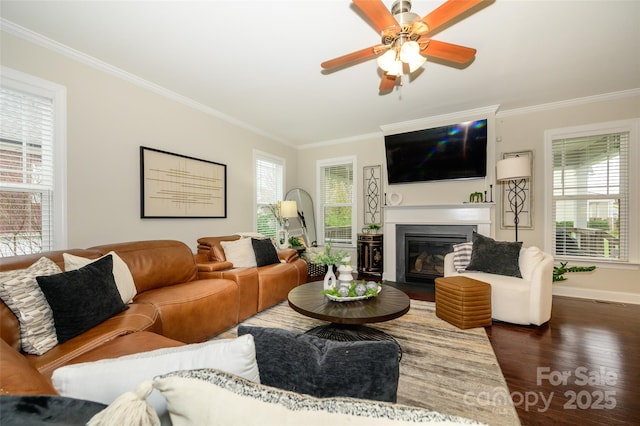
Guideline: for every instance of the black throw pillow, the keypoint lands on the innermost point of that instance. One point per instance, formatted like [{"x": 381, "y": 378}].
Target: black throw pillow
[
  {"x": 326, "y": 368},
  {"x": 495, "y": 257},
  {"x": 265, "y": 252},
  {"x": 82, "y": 298},
  {"x": 47, "y": 410}
]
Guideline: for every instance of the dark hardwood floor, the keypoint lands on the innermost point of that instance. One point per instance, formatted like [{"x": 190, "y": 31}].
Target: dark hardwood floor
[{"x": 581, "y": 368}]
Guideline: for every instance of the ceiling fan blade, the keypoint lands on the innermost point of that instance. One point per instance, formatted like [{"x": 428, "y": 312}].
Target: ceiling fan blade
[
  {"x": 357, "y": 56},
  {"x": 387, "y": 82},
  {"x": 449, "y": 52},
  {"x": 445, "y": 13},
  {"x": 377, "y": 12}
]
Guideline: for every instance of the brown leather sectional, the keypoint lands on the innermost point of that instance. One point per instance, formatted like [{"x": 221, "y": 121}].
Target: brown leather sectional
[
  {"x": 261, "y": 287},
  {"x": 182, "y": 298}
]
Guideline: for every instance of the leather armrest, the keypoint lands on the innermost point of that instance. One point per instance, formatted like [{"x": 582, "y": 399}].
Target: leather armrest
[
  {"x": 288, "y": 255},
  {"x": 18, "y": 377},
  {"x": 214, "y": 266}
]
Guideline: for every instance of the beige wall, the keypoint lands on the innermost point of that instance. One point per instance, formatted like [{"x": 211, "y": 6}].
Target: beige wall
[{"x": 108, "y": 119}]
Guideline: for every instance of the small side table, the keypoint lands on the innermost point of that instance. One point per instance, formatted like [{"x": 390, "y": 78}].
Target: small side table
[
  {"x": 463, "y": 302},
  {"x": 370, "y": 255}
]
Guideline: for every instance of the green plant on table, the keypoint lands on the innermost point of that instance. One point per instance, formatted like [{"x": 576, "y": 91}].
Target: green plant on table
[
  {"x": 559, "y": 271},
  {"x": 325, "y": 257},
  {"x": 374, "y": 226},
  {"x": 295, "y": 242}
]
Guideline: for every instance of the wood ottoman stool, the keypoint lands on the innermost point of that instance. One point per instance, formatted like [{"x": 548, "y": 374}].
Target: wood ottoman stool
[{"x": 463, "y": 302}]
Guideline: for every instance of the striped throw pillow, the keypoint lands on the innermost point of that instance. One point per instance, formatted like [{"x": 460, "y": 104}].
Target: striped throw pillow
[
  {"x": 462, "y": 256},
  {"x": 20, "y": 291}
]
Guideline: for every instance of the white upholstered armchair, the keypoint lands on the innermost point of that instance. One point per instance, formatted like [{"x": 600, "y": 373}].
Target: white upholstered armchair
[{"x": 525, "y": 300}]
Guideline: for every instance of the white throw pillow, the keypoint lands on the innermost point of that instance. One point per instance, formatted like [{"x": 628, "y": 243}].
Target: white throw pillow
[
  {"x": 103, "y": 381},
  {"x": 462, "y": 256},
  {"x": 250, "y": 235},
  {"x": 21, "y": 293},
  {"x": 121, "y": 273},
  {"x": 529, "y": 258},
  {"x": 239, "y": 252},
  {"x": 210, "y": 397}
]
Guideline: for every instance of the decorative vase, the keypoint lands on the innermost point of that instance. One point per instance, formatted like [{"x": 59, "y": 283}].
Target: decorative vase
[
  {"x": 345, "y": 276},
  {"x": 329, "y": 278}
]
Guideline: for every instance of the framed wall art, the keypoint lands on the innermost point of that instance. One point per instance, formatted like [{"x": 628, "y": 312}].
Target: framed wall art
[
  {"x": 177, "y": 186},
  {"x": 525, "y": 217},
  {"x": 372, "y": 190}
]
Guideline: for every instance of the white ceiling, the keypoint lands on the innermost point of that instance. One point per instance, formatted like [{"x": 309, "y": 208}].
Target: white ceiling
[{"x": 258, "y": 62}]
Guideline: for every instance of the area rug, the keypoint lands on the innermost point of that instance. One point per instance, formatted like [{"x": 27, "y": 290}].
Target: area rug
[{"x": 443, "y": 368}]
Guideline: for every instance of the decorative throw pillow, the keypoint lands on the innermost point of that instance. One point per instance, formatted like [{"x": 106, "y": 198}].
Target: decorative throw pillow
[
  {"x": 495, "y": 257},
  {"x": 198, "y": 397},
  {"x": 46, "y": 410},
  {"x": 462, "y": 256},
  {"x": 239, "y": 252},
  {"x": 326, "y": 368},
  {"x": 112, "y": 377},
  {"x": 20, "y": 292},
  {"x": 121, "y": 273},
  {"x": 264, "y": 251},
  {"x": 82, "y": 298},
  {"x": 250, "y": 235}
]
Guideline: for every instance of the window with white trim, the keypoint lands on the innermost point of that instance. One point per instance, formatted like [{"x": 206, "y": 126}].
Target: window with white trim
[
  {"x": 32, "y": 201},
  {"x": 269, "y": 184},
  {"x": 337, "y": 193},
  {"x": 590, "y": 192}
]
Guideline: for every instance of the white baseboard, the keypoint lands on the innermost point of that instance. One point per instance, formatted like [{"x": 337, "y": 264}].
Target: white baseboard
[{"x": 586, "y": 293}]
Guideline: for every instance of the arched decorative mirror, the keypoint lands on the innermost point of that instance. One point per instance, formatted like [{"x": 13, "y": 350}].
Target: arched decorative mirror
[{"x": 305, "y": 224}]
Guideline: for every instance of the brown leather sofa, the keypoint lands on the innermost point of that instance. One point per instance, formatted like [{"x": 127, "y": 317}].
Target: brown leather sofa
[
  {"x": 260, "y": 287},
  {"x": 173, "y": 306}
]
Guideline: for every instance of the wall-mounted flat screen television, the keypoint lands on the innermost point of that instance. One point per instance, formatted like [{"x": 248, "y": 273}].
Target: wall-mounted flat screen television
[{"x": 457, "y": 151}]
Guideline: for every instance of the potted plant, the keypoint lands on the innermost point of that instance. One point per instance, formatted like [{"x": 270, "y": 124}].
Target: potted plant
[
  {"x": 559, "y": 271},
  {"x": 374, "y": 228},
  {"x": 329, "y": 259}
]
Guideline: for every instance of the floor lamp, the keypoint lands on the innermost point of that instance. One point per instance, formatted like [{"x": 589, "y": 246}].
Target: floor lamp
[
  {"x": 515, "y": 170},
  {"x": 288, "y": 209}
]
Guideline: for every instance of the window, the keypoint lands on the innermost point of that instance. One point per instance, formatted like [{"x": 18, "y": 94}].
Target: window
[
  {"x": 32, "y": 152},
  {"x": 590, "y": 193},
  {"x": 269, "y": 178},
  {"x": 337, "y": 200}
]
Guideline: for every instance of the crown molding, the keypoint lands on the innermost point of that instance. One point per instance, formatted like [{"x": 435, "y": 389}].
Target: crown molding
[
  {"x": 42, "y": 41},
  {"x": 424, "y": 123},
  {"x": 350, "y": 139},
  {"x": 612, "y": 96}
]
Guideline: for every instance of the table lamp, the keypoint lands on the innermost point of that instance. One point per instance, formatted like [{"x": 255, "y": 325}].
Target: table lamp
[{"x": 287, "y": 209}]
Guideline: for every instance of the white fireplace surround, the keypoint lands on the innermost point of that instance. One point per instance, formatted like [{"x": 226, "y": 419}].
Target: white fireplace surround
[{"x": 478, "y": 214}]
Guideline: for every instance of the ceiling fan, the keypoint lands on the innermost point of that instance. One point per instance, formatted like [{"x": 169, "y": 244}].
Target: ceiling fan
[{"x": 406, "y": 38}]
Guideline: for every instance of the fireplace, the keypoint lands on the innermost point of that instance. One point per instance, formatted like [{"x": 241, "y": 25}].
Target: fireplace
[
  {"x": 468, "y": 215},
  {"x": 420, "y": 249}
]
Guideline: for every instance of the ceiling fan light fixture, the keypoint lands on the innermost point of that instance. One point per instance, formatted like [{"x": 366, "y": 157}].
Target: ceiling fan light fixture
[
  {"x": 416, "y": 63},
  {"x": 396, "y": 69},
  {"x": 393, "y": 60},
  {"x": 387, "y": 60},
  {"x": 409, "y": 51}
]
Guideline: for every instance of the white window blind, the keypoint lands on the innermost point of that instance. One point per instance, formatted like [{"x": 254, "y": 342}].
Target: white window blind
[
  {"x": 337, "y": 200},
  {"x": 269, "y": 172},
  {"x": 590, "y": 196},
  {"x": 26, "y": 172}
]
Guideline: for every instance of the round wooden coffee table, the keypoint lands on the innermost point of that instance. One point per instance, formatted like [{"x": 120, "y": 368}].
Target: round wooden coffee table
[{"x": 347, "y": 318}]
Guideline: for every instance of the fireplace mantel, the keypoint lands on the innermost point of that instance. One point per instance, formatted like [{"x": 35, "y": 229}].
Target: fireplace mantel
[{"x": 479, "y": 214}]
